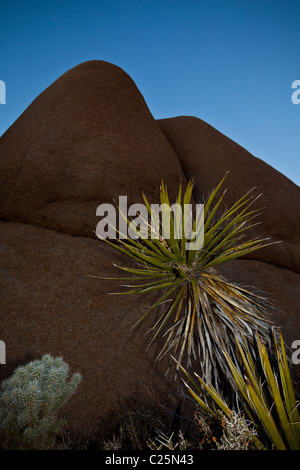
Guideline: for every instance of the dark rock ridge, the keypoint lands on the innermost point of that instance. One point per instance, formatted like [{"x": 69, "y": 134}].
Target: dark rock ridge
[{"x": 86, "y": 140}]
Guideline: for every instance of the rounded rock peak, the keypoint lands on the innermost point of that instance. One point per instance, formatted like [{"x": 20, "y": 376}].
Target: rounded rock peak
[{"x": 86, "y": 140}]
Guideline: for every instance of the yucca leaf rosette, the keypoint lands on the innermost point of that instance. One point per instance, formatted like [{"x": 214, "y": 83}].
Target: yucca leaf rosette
[{"x": 201, "y": 311}]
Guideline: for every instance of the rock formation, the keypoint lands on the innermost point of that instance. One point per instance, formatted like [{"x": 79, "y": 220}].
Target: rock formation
[{"x": 86, "y": 140}]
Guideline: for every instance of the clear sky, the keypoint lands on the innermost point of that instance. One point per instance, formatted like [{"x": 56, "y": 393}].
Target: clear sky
[{"x": 228, "y": 62}]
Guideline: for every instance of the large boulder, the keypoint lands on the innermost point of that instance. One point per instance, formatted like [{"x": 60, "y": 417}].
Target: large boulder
[
  {"x": 280, "y": 288},
  {"x": 53, "y": 302},
  {"x": 208, "y": 155},
  {"x": 86, "y": 140}
]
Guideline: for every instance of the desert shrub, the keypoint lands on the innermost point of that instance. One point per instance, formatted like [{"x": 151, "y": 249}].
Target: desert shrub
[
  {"x": 224, "y": 432},
  {"x": 202, "y": 311},
  {"x": 137, "y": 428},
  {"x": 30, "y": 400},
  {"x": 144, "y": 430},
  {"x": 211, "y": 432}
]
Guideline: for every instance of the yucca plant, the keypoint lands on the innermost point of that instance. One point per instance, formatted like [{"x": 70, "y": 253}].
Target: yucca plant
[
  {"x": 201, "y": 310},
  {"x": 264, "y": 389}
]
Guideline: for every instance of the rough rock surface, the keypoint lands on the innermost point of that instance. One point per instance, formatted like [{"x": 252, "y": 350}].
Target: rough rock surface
[
  {"x": 279, "y": 285},
  {"x": 50, "y": 304},
  {"x": 85, "y": 140},
  {"x": 207, "y": 155}
]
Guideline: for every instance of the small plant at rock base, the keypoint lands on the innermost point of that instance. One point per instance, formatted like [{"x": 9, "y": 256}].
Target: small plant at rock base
[
  {"x": 202, "y": 311},
  {"x": 163, "y": 442},
  {"x": 211, "y": 432},
  {"x": 136, "y": 428},
  {"x": 30, "y": 400},
  {"x": 219, "y": 431}
]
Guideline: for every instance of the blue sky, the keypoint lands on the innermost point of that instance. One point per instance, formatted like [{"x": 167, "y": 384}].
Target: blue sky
[{"x": 228, "y": 62}]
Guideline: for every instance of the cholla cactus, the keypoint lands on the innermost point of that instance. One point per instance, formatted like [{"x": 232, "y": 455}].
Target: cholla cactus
[{"x": 29, "y": 401}]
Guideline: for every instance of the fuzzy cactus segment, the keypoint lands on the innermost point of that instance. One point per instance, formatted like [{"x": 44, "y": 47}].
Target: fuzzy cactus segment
[{"x": 30, "y": 400}]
